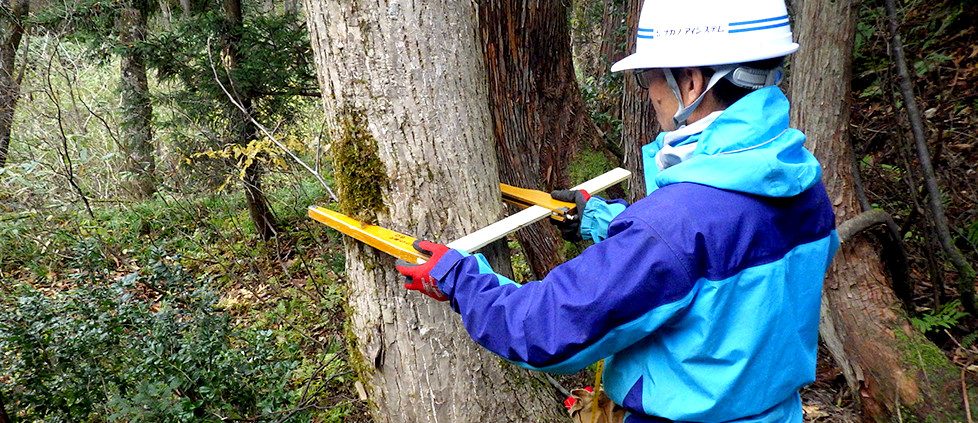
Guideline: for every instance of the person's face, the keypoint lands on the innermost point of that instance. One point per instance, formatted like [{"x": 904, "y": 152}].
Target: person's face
[
  {"x": 662, "y": 98},
  {"x": 691, "y": 84}
]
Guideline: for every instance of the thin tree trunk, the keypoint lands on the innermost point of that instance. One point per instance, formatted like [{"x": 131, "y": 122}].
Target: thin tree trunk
[
  {"x": 891, "y": 366},
  {"x": 240, "y": 128},
  {"x": 13, "y": 18},
  {"x": 137, "y": 110},
  {"x": 404, "y": 89},
  {"x": 966, "y": 273},
  {"x": 539, "y": 117},
  {"x": 639, "y": 126}
]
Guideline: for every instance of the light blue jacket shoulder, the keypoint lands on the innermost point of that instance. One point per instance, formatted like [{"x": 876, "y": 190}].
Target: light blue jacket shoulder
[{"x": 749, "y": 148}]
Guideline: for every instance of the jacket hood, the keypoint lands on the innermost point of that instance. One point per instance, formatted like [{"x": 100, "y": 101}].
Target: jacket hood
[{"x": 749, "y": 148}]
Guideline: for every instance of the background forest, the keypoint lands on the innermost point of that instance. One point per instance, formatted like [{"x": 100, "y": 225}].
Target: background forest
[{"x": 157, "y": 160}]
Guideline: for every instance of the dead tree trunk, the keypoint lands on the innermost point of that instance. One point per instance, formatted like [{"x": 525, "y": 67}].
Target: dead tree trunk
[
  {"x": 539, "y": 116},
  {"x": 404, "y": 89},
  {"x": 891, "y": 365},
  {"x": 14, "y": 14}
]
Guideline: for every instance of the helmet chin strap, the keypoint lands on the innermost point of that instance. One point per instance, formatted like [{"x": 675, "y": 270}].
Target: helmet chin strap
[
  {"x": 682, "y": 114},
  {"x": 739, "y": 75}
]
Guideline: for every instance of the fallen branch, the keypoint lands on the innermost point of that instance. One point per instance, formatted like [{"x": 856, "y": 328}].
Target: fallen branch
[
  {"x": 557, "y": 385},
  {"x": 895, "y": 255},
  {"x": 861, "y": 222}
]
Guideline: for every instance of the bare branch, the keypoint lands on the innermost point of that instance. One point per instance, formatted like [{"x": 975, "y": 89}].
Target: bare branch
[
  {"x": 262, "y": 127},
  {"x": 65, "y": 156}
]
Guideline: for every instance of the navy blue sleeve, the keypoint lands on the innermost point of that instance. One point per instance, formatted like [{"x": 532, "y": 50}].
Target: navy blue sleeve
[{"x": 612, "y": 295}]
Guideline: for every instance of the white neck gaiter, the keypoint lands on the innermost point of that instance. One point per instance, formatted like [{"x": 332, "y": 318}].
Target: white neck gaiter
[{"x": 674, "y": 149}]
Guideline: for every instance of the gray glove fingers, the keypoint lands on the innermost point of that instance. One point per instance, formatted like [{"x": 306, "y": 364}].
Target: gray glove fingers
[
  {"x": 417, "y": 246},
  {"x": 564, "y": 195}
]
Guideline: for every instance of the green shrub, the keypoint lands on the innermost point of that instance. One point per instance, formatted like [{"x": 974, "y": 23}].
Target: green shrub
[{"x": 149, "y": 346}]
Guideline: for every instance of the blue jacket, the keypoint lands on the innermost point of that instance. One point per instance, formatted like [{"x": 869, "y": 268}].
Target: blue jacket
[{"x": 703, "y": 298}]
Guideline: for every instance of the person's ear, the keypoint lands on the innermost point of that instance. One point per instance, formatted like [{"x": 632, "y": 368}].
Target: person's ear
[{"x": 693, "y": 84}]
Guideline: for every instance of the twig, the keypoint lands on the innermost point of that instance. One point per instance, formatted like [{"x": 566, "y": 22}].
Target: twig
[
  {"x": 108, "y": 128},
  {"x": 964, "y": 396},
  {"x": 262, "y": 127},
  {"x": 561, "y": 388},
  {"x": 899, "y": 414},
  {"x": 65, "y": 157},
  {"x": 955, "y": 341}
]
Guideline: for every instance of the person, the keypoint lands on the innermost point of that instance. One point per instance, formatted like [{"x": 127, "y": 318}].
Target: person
[{"x": 703, "y": 297}]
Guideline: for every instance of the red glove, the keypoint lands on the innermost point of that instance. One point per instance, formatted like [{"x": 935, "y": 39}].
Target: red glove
[
  {"x": 418, "y": 275},
  {"x": 571, "y": 400}
]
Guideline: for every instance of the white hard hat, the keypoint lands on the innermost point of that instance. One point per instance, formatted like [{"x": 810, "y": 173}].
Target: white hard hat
[{"x": 674, "y": 34}]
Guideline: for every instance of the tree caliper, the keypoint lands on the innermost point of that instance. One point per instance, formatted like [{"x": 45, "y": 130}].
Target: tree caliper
[{"x": 536, "y": 205}]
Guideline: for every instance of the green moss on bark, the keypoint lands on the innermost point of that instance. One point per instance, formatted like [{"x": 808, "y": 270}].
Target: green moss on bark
[
  {"x": 363, "y": 372},
  {"x": 938, "y": 379},
  {"x": 360, "y": 174}
]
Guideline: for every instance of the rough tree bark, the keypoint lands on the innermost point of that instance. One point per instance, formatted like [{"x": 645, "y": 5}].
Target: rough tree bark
[
  {"x": 137, "y": 110},
  {"x": 13, "y": 17},
  {"x": 539, "y": 117},
  {"x": 598, "y": 33},
  {"x": 404, "y": 89},
  {"x": 639, "y": 126},
  {"x": 240, "y": 129},
  {"x": 894, "y": 369},
  {"x": 607, "y": 43}
]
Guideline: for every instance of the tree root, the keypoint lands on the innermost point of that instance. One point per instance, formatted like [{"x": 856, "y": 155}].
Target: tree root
[{"x": 894, "y": 252}]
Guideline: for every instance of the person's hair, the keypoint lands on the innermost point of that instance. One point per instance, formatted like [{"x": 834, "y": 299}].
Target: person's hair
[{"x": 726, "y": 92}]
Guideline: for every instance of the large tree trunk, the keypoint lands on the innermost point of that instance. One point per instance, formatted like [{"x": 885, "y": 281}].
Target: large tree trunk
[
  {"x": 137, "y": 111},
  {"x": 639, "y": 126},
  {"x": 539, "y": 116},
  {"x": 13, "y": 21},
  {"x": 404, "y": 88},
  {"x": 892, "y": 366},
  {"x": 240, "y": 128}
]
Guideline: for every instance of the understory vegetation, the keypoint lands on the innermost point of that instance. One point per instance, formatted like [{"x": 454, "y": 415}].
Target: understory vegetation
[
  {"x": 939, "y": 40},
  {"x": 171, "y": 307},
  {"x": 174, "y": 307},
  {"x": 172, "y": 310}
]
